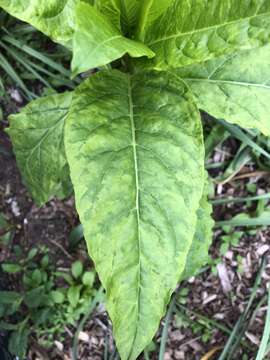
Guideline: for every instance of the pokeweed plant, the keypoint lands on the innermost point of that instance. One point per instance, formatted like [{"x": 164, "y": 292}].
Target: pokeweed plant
[{"x": 130, "y": 136}]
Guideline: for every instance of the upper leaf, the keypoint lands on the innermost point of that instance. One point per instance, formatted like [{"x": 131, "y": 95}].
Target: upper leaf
[
  {"x": 111, "y": 9},
  {"x": 198, "y": 253},
  {"x": 37, "y": 138},
  {"x": 133, "y": 15},
  {"x": 54, "y": 18},
  {"x": 135, "y": 149},
  {"x": 235, "y": 88},
  {"x": 97, "y": 42},
  {"x": 149, "y": 11},
  {"x": 198, "y": 30},
  {"x": 129, "y": 14}
]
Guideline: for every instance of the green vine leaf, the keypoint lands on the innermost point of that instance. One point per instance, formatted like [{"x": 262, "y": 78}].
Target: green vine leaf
[
  {"x": 97, "y": 42},
  {"x": 135, "y": 149},
  {"x": 198, "y": 30},
  {"x": 235, "y": 87},
  {"x": 37, "y": 137},
  {"x": 198, "y": 253}
]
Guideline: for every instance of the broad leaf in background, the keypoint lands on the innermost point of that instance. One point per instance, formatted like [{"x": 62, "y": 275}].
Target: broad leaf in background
[
  {"x": 111, "y": 9},
  {"x": 134, "y": 14},
  {"x": 97, "y": 42},
  {"x": 149, "y": 11},
  {"x": 198, "y": 30},
  {"x": 198, "y": 253},
  {"x": 235, "y": 87},
  {"x": 54, "y": 18},
  {"x": 135, "y": 149},
  {"x": 129, "y": 14},
  {"x": 37, "y": 138}
]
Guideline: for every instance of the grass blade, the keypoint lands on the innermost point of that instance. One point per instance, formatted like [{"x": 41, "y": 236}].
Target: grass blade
[
  {"x": 241, "y": 325},
  {"x": 5, "y": 65},
  {"x": 244, "y": 138},
  {"x": 37, "y": 55},
  {"x": 239, "y": 199},
  {"x": 266, "y": 333},
  {"x": 24, "y": 62},
  {"x": 164, "y": 335},
  {"x": 93, "y": 304},
  {"x": 262, "y": 220}
]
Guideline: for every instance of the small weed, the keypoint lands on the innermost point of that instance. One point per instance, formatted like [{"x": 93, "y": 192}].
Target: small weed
[{"x": 49, "y": 300}]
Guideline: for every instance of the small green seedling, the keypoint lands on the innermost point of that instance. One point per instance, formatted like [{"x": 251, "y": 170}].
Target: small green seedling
[{"x": 49, "y": 300}]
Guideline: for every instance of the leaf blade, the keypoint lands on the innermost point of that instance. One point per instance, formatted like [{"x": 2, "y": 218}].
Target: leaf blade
[
  {"x": 117, "y": 147},
  {"x": 235, "y": 87},
  {"x": 37, "y": 138},
  {"x": 192, "y": 32}
]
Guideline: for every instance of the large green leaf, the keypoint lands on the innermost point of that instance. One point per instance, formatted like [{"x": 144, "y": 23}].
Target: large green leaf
[
  {"x": 97, "y": 42},
  {"x": 54, "y": 18},
  {"x": 198, "y": 253},
  {"x": 37, "y": 138},
  {"x": 198, "y": 30},
  {"x": 235, "y": 87},
  {"x": 135, "y": 149}
]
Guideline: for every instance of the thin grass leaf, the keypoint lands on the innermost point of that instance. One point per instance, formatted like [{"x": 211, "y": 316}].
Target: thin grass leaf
[
  {"x": 106, "y": 347},
  {"x": 240, "y": 135},
  {"x": 262, "y": 220},
  {"x": 56, "y": 78},
  {"x": 24, "y": 62},
  {"x": 204, "y": 320},
  {"x": 11, "y": 72},
  {"x": 216, "y": 137},
  {"x": 243, "y": 322},
  {"x": 266, "y": 333},
  {"x": 242, "y": 157},
  {"x": 240, "y": 199},
  {"x": 37, "y": 55},
  {"x": 2, "y": 88},
  {"x": 146, "y": 355},
  {"x": 216, "y": 165},
  {"x": 164, "y": 335},
  {"x": 92, "y": 306}
]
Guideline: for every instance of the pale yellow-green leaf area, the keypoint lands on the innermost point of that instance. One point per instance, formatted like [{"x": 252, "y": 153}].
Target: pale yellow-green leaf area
[
  {"x": 135, "y": 149},
  {"x": 235, "y": 87},
  {"x": 198, "y": 30}
]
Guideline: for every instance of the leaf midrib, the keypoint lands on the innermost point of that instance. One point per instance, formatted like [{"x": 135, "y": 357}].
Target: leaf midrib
[
  {"x": 105, "y": 42},
  {"x": 144, "y": 10},
  {"x": 135, "y": 157},
  {"x": 179, "y": 34},
  {"x": 228, "y": 82}
]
